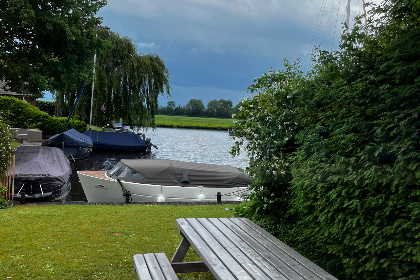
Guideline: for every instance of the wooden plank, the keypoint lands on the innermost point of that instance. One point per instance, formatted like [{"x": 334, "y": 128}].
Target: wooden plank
[
  {"x": 243, "y": 257},
  {"x": 153, "y": 265},
  {"x": 225, "y": 257},
  {"x": 321, "y": 273},
  {"x": 140, "y": 267},
  {"x": 264, "y": 260},
  {"x": 165, "y": 266},
  {"x": 186, "y": 267},
  {"x": 181, "y": 251},
  {"x": 219, "y": 270}
]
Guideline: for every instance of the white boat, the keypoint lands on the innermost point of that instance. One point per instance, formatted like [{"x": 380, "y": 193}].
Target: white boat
[{"x": 160, "y": 180}]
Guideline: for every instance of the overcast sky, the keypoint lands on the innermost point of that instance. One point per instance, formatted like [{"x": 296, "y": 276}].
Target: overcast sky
[{"x": 214, "y": 49}]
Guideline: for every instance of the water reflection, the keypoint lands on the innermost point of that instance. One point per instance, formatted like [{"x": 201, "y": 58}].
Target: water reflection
[{"x": 206, "y": 146}]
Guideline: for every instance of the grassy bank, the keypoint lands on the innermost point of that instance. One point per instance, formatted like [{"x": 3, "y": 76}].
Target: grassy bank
[
  {"x": 193, "y": 122},
  {"x": 90, "y": 241}
]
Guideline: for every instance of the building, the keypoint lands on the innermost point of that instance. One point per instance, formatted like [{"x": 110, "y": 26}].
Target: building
[{"x": 29, "y": 98}]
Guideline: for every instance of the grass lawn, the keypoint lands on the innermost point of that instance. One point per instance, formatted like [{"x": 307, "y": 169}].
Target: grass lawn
[
  {"x": 193, "y": 122},
  {"x": 91, "y": 241}
]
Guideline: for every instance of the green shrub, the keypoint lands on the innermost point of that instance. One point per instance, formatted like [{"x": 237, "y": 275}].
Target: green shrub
[
  {"x": 3, "y": 201},
  {"x": 18, "y": 113},
  {"x": 6, "y": 152},
  {"x": 47, "y": 107},
  {"x": 351, "y": 202}
]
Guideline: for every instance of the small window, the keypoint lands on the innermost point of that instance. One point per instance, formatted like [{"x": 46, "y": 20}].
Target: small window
[
  {"x": 128, "y": 173},
  {"x": 115, "y": 168}
]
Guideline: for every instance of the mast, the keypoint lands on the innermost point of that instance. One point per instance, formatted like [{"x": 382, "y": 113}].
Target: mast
[
  {"x": 93, "y": 87},
  {"x": 348, "y": 14}
]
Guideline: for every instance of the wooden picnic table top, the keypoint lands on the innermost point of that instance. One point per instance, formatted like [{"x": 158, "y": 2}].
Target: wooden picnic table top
[{"x": 237, "y": 248}]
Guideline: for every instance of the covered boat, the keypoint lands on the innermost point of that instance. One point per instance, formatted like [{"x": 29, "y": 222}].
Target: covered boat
[
  {"x": 41, "y": 173},
  {"x": 164, "y": 180},
  {"x": 74, "y": 144},
  {"x": 117, "y": 141}
]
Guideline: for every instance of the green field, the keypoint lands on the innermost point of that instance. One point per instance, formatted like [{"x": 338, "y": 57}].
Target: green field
[
  {"x": 193, "y": 122},
  {"x": 91, "y": 241}
]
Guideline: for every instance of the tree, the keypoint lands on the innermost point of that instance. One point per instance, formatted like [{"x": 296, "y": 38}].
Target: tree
[
  {"x": 195, "y": 108},
  {"x": 212, "y": 108},
  {"x": 47, "y": 44},
  {"x": 127, "y": 84}
]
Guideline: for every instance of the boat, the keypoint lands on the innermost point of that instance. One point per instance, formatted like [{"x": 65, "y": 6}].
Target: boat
[
  {"x": 162, "y": 180},
  {"x": 41, "y": 173},
  {"x": 74, "y": 144},
  {"x": 116, "y": 141}
]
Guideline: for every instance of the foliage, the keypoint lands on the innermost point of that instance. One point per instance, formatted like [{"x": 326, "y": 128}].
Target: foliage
[
  {"x": 3, "y": 201},
  {"x": 6, "y": 152},
  {"x": 46, "y": 44},
  {"x": 195, "y": 108},
  {"x": 266, "y": 126},
  {"x": 349, "y": 197},
  {"x": 219, "y": 108},
  {"x": 47, "y": 107},
  {"x": 127, "y": 84},
  {"x": 18, "y": 113}
]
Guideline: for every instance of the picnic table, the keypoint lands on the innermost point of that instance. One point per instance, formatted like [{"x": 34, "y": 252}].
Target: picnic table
[{"x": 237, "y": 248}]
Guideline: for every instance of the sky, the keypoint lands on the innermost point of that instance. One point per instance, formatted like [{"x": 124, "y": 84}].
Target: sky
[{"x": 214, "y": 49}]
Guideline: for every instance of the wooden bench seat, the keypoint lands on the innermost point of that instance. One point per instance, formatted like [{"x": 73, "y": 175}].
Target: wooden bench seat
[{"x": 153, "y": 266}]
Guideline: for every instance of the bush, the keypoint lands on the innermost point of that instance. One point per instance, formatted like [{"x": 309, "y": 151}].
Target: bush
[
  {"x": 351, "y": 202},
  {"x": 18, "y": 113},
  {"x": 47, "y": 107},
  {"x": 6, "y": 152}
]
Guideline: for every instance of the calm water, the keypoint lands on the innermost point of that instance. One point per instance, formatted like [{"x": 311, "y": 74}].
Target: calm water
[{"x": 206, "y": 146}]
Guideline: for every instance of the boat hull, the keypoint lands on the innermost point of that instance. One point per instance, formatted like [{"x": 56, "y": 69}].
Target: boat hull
[
  {"x": 34, "y": 192},
  {"x": 98, "y": 187}
]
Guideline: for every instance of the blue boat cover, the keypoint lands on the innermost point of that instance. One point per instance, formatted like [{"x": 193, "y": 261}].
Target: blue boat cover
[
  {"x": 117, "y": 141},
  {"x": 71, "y": 138}
]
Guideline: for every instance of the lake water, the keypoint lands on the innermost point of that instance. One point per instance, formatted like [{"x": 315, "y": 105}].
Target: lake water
[{"x": 205, "y": 146}]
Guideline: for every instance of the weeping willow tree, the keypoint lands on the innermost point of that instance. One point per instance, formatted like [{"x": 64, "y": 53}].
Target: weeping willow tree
[{"x": 127, "y": 84}]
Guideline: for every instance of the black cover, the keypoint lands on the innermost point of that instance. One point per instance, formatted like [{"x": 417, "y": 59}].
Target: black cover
[
  {"x": 70, "y": 138},
  {"x": 73, "y": 143},
  {"x": 116, "y": 141},
  {"x": 179, "y": 173}
]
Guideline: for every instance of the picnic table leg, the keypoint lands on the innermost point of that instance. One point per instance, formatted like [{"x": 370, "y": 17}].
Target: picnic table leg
[
  {"x": 181, "y": 251},
  {"x": 183, "y": 267}
]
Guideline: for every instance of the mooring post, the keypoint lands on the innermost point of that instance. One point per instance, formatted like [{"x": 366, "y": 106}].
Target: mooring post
[
  {"x": 219, "y": 197},
  {"x": 22, "y": 197}
]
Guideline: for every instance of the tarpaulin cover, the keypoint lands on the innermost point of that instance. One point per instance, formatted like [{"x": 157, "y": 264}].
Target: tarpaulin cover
[
  {"x": 70, "y": 138},
  {"x": 179, "y": 173},
  {"x": 43, "y": 164},
  {"x": 116, "y": 141}
]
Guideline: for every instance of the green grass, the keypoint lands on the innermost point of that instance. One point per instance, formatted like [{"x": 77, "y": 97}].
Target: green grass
[
  {"x": 91, "y": 241},
  {"x": 193, "y": 122}
]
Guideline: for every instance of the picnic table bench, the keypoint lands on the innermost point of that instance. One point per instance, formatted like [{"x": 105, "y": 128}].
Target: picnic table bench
[{"x": 232, "y": 248}]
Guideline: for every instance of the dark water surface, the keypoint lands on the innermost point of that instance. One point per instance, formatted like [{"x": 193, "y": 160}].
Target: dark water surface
[{"x": 206, "y": 146}]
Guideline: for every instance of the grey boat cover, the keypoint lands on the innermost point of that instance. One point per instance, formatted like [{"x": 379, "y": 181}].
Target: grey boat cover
[
  {"x": 187, "y": 174},
  {"x": 41, "y": 163}
]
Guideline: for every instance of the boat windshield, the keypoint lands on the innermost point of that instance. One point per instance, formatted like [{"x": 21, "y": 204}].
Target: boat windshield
[
  {"x": 115, "y": 168},
  {"x": 126, "y": 172}
]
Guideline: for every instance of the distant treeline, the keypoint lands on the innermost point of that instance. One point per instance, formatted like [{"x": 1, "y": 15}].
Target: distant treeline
[{"x": 195, "y": 108}]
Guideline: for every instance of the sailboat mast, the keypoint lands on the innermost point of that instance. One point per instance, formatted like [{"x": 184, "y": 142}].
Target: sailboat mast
[
  {"x": 348, "y": 14},
  {"x": 93, "y": 87}
]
